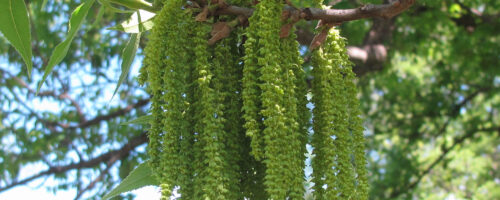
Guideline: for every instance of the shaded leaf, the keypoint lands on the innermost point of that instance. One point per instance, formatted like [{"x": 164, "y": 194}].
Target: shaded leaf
[
  {"x": 110, "y": 7},
  {"x": 135, "y": 4},
  {"x": 15, "y": 26},
  {"x": 133, "y": 24},
  {"x": 146, "y": 119},
  {"x": 139, "y": 177},
  {"x": 76, "y": 20}
]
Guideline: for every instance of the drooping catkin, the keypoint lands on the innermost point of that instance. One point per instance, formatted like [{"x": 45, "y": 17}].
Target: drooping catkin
[
  {"x": 175, "y": 125},
  {"x": 251, "y": 90},
  {"x": 337, "y": 127},
  {"x": 230, "y": 119},
  {"x": 294, "y": 107}
]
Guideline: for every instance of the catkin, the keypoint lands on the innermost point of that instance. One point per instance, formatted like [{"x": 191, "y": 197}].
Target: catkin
[{"x": 230, "y": 120}]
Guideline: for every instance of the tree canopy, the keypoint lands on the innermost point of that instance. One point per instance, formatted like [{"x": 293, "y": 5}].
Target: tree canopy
[{"x": 429, "y": 82}]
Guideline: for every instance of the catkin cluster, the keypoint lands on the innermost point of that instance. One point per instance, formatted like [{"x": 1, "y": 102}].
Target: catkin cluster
[{"x": 231, "y": 121}]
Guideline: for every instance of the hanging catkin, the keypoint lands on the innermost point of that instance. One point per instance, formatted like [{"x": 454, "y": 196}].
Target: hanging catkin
[
  {"x": 230, "y": 119},
  {"x": 161, "y": 70},
  {"x": 336, "y": 124},
  {"x": 294, "y": 104},
  {"x": 355, "y": 126},
  {"x": 251, "y": 90}
]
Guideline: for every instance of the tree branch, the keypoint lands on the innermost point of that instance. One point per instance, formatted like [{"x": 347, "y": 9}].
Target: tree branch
[
  {"x": 119, "y": 154},
  {"x": 332, "y": 15},
  {"x": 111, "y": 115}
]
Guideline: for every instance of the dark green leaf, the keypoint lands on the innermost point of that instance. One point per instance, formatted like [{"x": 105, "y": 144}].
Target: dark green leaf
[
  {"x": 15, "y": 26},
  {"x": 76, "y": 20},
  {"x": 139, "y": 177}
]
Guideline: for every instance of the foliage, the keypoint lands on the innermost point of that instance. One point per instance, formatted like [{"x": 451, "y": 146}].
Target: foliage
[{"x": 430, "y": 108}]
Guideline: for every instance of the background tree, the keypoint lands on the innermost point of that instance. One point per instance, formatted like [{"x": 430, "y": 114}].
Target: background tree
[{"x": 429, "y": 81}]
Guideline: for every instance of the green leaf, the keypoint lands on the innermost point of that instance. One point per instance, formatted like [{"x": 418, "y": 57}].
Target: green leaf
[
  {"x": 135, "y": 4},
  {"x": 133, "y": 24},
  {"x": 76, "y": 20},
  {"x": 44, "y": 3},
  {"x": 110, "y": 7},
  {"x": 128, "y": 55},
  {"x": 139, "y": 177},
  {"x": 146, "y": 119},
  {"x": 15, "y": 26}
]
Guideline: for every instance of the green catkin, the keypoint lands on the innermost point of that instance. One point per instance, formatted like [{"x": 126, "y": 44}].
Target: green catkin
[
  {"x": 251, "y": 91},
  {"x": 232, "y": 123},
  {"x": 175, "y": 74},
  {"x": 337, "y": 127},
  {"x": 281, "y": 138},
  {"x": 212, "y": 133},
  {"x": 226, "y": 73},
  {"x": 355, "y": 127},
  {"x": 186, "y": 136},
  {"x": 272, "y": 98},
  {"x": 343, "y": 140},
  {"x": 322, "y": 115},
  {"x": 153, "y": 64},
  {"x": 291, "y": 66}
]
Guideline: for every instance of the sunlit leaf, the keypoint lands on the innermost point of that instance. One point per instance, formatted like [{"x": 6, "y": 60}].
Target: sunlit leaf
[
  {"x": 139, "y": 177},
  {"x": 15, "y": 26},
  {"x": 76, "y": 20}
]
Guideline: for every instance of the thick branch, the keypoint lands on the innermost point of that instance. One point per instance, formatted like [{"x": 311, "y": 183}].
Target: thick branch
[
  {"x": 333, "y": 15},
  {"x": 116, "y": 154}
]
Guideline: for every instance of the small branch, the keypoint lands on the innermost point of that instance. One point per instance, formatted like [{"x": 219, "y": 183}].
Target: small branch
[{"x": 120, "y": 154}]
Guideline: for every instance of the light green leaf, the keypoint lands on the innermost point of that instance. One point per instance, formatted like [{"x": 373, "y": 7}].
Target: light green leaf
[
  {"x": 133, "y": 24},
  {"x": 146, "y": 119},
  {"x": 76, "y": 20},
  {"x": 139, "y": 177},
  {"x": 15, "y": 26}
]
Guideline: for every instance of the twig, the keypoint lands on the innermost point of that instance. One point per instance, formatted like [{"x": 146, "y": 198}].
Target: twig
[{"x": 104, "y": 172}]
